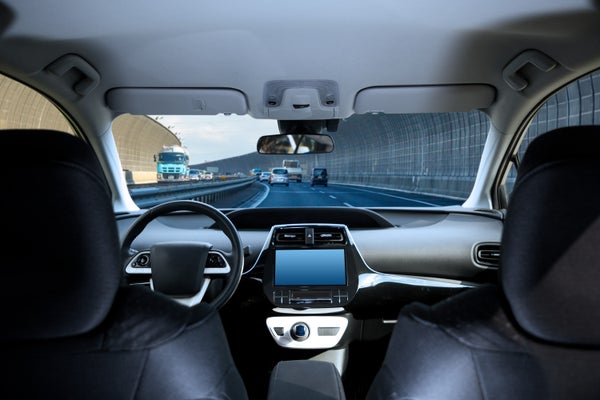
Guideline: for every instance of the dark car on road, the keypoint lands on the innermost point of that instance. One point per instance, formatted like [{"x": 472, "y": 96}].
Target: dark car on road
[{"x": 319, "y": 177}]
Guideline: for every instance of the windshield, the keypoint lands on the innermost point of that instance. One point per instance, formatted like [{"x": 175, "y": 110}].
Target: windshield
[
  {"x": 379, "y": 160},
  {"x": 176, "y": 158}
]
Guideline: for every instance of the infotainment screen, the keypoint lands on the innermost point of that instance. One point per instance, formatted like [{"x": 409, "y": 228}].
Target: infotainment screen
[{"x": 310, "y": 267}]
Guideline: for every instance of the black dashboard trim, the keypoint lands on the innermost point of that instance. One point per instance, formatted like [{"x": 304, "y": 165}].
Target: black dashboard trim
[{"x": 265, "y": 218}]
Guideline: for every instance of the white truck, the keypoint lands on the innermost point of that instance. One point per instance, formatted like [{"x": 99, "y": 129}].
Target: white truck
[{"x": 294, "y": 170}]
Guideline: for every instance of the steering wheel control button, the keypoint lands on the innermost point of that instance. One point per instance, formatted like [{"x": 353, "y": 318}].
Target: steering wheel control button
[
  {"x": 300, "y": 331},
  {"x": 278, "y": 330},
  {"x": 215, "y": 260},
  {"x": 142, "y": 261}
]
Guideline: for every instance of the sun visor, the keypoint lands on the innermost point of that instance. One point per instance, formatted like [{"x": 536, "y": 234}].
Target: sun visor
[
  {"x": 148, "y": 101},
  {"x": 423, "y": 99}
]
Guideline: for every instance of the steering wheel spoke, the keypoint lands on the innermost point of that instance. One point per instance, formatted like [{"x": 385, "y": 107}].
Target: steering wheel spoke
[{"x": 184, "y": 270}]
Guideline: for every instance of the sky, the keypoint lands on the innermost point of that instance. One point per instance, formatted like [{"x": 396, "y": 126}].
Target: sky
[{"x": 214, "y": 137}]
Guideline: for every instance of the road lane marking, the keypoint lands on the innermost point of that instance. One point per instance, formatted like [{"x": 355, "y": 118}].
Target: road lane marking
[
  {"x": 348, "y": 205},
  {"x": 333, "y": 197},
  {"x": 398, "y": 197}
]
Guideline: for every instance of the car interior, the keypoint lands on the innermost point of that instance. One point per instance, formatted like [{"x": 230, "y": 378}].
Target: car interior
[{"x": 438, "y": 240}]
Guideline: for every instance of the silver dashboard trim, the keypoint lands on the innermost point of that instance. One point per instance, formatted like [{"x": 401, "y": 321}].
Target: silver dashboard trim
[{"x": 376, "y": 278}]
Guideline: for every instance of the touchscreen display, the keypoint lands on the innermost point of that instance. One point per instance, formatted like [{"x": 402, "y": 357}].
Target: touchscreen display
[{"x": 310, "y": 267}]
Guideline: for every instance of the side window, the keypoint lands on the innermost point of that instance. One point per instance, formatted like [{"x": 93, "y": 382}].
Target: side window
[
  {"x": 576, "y": 104},
  {"x": 23, "y": 108},
  {"x": 149, "y": 151}
]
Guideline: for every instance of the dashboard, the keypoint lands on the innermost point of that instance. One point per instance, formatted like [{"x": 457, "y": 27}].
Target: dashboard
[{"x": 319, "y": 273}]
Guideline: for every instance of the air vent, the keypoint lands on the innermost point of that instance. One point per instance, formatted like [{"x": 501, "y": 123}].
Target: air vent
[
  {"x": 487, "y": 255},
  {"x": 309, "y": 236},
  {"x": 329, "y": 235},
  {"x": 290, "y": 236}
]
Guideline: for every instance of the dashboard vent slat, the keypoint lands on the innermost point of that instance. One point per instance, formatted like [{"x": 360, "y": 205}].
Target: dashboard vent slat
[
  {"x": 291, "y": 236},
  {"x": 329, "y": 237},
  {"x": 310, "y": 236},
  {"x": 488, "y": 255}
]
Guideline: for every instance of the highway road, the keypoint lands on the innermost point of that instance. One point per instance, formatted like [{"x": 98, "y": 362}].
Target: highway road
[
  {"x": 260, "y": 194},
  {"x": 303, "y": 195}
]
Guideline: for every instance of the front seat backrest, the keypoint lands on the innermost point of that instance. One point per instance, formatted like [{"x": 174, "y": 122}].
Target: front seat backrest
[
  {"x": 537, "y": 335},
  {"x": 69, "y": 329},
  {"x": 550, "y": 259}
]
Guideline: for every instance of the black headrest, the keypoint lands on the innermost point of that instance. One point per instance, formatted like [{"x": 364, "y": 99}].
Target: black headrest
[
  {"x": 550, "y": 266},
  {"x": 59, "y": 256}
]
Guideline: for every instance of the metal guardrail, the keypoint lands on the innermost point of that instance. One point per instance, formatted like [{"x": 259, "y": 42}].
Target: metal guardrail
[{"x": 149, "y": 196}]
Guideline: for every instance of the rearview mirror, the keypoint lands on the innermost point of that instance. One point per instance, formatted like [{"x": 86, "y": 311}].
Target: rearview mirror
[{"x": 295, "y": 144}]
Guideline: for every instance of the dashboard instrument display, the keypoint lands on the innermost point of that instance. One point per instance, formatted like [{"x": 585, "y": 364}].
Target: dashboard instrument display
[{"x": 310, "y": 267}]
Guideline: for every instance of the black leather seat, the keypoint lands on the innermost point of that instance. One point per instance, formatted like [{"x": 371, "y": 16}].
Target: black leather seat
[
  {"x": 537, "y": 336},
  {"x": 69, "y": 329}
]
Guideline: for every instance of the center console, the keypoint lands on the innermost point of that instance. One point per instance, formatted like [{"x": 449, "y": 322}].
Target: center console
[
  {"x": 310, "y": 272},
  {"x": 310, "y": 266}
]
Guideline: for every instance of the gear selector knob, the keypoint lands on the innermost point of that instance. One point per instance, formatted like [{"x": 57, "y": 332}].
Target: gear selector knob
[{"x": 300, "y": 331}]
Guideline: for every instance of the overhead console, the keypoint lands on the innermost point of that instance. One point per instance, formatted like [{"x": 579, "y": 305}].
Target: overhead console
[{"x": 310, "y": 266}]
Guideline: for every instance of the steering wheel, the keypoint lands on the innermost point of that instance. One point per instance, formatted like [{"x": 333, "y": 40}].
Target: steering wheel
[{"x": 184, "y": 270}]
